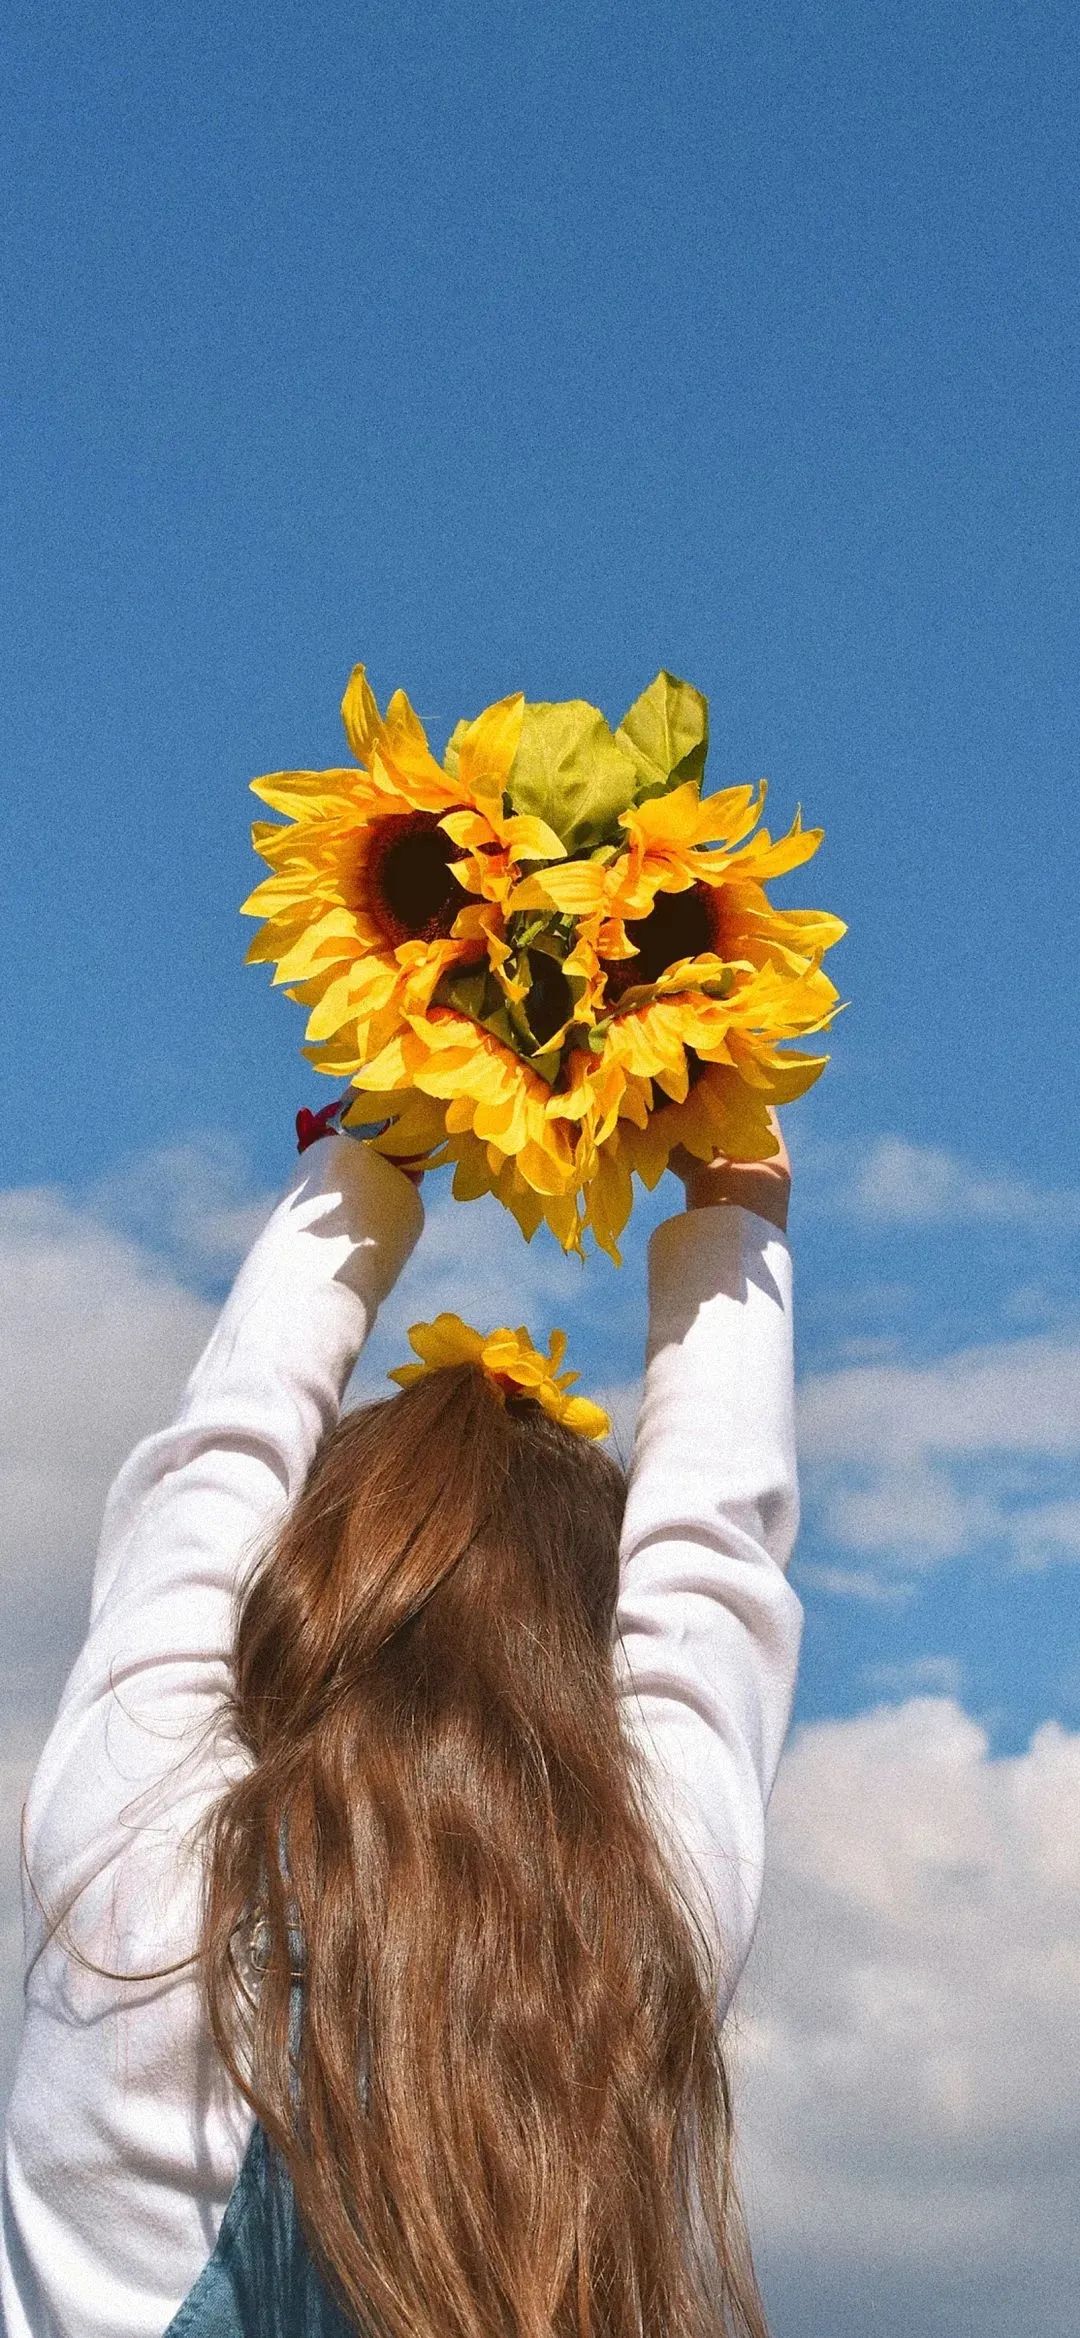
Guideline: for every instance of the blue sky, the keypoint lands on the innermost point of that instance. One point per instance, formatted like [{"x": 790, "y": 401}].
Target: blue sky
[{"x": 513, "y": 348}]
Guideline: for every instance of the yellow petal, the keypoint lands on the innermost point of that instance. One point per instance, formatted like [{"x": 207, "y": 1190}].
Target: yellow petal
[
  {"x": 530, "y": 839},
  {"x": 585, "y": 1418},
  {"x": 577, "y": 889},
  {"x": 404, "y": 748},
  {"x": 448, "y": 1340},
  {"x": 608, "y": 1201},
  {"x": 685, "y": 817},
  {"x": 487, "y": 747},
  {"x": 361, "y": 717},
  {"x": 330, "y": 938},
  {"x": 472, "y": 1177},
  {"x": 468, "y": 828},
  {"x": 273, "y": 895},
  {"x": 393, "y": 1066},
  {"x": 762, "y": 858},
  {"x": 303, "y": 795}
]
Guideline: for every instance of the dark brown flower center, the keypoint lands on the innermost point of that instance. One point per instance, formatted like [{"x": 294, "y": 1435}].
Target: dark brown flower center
[
  {"x": 410, "y": 881},
  {"x": 679, "y": 925}
]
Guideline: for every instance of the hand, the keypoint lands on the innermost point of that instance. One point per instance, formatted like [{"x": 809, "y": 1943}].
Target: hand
[{"x": 762, "y": 1186}]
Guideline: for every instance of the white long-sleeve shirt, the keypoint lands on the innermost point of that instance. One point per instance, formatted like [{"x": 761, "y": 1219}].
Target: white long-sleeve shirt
[{"x": 124, "y": 2136}]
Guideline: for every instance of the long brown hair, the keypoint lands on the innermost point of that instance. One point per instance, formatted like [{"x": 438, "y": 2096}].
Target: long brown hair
[{"x": 423, "y": 1679}]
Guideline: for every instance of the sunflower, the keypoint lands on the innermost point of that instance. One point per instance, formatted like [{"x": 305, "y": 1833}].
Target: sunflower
[
  {"x": 695, "y": 1063},
  {"x": 548, "y": 959},
  {"x": 699, "y": 974},
  {"x": 389, "y": 875},
  {"x": 512, "y": 1363},
  {"x": 670, "y": 893}
]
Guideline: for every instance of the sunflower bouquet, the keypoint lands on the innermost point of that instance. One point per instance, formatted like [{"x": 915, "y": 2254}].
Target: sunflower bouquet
[{"x": 548, "y": 958}]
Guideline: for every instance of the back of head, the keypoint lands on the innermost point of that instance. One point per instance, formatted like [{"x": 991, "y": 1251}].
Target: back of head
[{"x": 425, "y": 1686}]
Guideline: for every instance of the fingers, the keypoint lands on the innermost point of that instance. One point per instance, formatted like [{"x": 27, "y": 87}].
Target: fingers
[
  {"x": 687, "y": 1165},
  {"x": 782, "y": 1159},
  {"x": 761, "y": 1186}
]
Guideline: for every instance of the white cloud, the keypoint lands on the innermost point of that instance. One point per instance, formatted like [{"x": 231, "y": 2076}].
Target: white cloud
[
  {"x": 621, "y": 1403},
  {"x": 1019, "y": 1396},
  {"x": 936, "y": 1675},
  {"x": 196, "y": 1199},
  {"x": 912, "y": 2113},
  {"x": 98, "y": 1339},
  {"x": 1049, "y": 1531},
  {"x": 914, "y": 1510},
  {"x": 851, "y": 1583},
  {"x": 1042, "y": 1305},
  {"x": 904, "y": 1184},
  {"x": 890, "y": 1449}
]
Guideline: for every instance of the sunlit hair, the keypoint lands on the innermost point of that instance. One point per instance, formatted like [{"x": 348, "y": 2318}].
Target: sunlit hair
[{"x": 424, "y": 1682}]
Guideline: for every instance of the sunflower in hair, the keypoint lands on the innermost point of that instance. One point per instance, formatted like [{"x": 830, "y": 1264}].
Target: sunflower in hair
[{"x": 516, "y": 1368}]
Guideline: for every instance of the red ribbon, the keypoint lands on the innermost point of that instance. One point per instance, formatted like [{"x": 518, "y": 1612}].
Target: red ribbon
[{"x": 310, "y": 1126}]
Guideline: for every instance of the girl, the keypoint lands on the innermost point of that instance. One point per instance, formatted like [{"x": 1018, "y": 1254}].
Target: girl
[{"x": 384, "y": 1896}]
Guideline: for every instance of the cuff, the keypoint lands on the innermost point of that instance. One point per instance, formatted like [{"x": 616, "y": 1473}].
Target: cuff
[
  {"x": 723, "y": 1250},
  {"x": 347, "y": 1188}
]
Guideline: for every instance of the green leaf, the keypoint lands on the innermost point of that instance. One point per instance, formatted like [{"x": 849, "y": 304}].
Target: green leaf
[
  {"x": 520, "y": 1026},
  {"x": 666, "y": 731},
  {"x": 569, "y": 772},
  {"x": 477, "y": 994},
  {"x": 497, "y": 1021},
  {"x": 468, "y": 992},
  {"x": 452, "y": 755},
  {"x": 553, "y": 945},
  {"x": 547, "y": 1064}
]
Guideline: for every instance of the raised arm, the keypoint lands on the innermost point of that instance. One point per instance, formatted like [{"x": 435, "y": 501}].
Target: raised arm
[
  {"x": 142, "y": 1708},
  {"x": 709, "y": 1629}
]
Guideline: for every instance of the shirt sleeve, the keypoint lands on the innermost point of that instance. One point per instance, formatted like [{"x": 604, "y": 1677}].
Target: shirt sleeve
[
  {"x": 708, "y": 1628},
  {"x": 144, "y": 1714}
]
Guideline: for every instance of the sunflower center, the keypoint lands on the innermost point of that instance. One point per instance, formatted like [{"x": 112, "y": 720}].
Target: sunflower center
[
  {"x": 412, "y": 887},
  {"x": 548, "y": 1000},
  {"x": 679, "y": 925}
]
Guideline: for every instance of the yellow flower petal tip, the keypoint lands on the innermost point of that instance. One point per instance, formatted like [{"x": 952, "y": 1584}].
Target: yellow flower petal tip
[{"x": 512, "y": 1364}]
